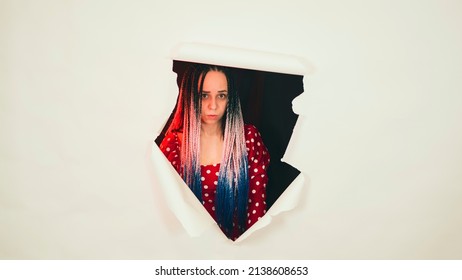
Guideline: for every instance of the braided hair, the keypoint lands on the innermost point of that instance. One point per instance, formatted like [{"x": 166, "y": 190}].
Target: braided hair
[{"x": 233, "y": 182}]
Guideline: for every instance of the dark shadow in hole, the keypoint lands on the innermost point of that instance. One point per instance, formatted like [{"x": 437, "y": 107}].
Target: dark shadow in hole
[{"x": 266, "y": 100}]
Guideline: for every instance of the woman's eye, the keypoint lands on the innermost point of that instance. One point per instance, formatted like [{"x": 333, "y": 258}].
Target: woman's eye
[
  {"x": 204, "y": 95},
  {"x": 222, "y": 96}
]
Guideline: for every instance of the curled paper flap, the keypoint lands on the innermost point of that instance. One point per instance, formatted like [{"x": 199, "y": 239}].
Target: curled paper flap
[
  {"x": 242, "y": 58},
  {"x": 181, "y": 201},
  {"x": 286, "y": 202}
]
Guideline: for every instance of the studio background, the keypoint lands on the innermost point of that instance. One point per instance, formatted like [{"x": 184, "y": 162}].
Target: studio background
[{"x": 86, "y": 86}]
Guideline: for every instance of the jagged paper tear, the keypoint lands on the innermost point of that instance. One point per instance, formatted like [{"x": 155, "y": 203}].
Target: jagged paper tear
[{"x": 179, "y": 198}]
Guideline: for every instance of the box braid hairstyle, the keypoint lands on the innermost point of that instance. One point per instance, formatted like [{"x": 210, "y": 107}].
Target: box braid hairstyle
[{"x": 233, "y": 182}]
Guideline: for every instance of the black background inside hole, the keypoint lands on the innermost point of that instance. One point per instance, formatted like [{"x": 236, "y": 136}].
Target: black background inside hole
[{"x": 266, "y": 100}]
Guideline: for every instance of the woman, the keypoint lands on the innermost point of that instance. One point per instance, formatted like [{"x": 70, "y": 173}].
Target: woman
[{"x": 223, "y": 161}]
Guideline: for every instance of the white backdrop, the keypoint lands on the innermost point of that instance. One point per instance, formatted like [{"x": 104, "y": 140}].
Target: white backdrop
[{"x": 85, "y": 87}]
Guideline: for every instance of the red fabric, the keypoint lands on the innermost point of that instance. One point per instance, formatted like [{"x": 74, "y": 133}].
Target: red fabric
[{"x": 258, "y": 158}]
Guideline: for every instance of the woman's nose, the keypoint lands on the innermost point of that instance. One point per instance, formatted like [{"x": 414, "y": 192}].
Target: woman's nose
[{"x": 213, "y": 103}]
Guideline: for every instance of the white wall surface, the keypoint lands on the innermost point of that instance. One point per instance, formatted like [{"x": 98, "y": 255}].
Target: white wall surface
[{"x": 85, "y": 87}]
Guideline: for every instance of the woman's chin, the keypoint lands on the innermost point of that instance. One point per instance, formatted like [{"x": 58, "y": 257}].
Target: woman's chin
[{"x": 211, "y": 121}]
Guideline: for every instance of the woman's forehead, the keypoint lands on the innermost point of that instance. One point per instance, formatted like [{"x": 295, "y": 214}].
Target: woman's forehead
[{"x": 214, "y": 80}]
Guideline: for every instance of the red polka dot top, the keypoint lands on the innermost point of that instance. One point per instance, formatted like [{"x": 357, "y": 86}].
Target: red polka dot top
[{"x": 258, "y": 158}]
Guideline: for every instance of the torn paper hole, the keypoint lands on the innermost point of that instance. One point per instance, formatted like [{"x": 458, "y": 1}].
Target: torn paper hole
[{"x": 266, "y": 99}]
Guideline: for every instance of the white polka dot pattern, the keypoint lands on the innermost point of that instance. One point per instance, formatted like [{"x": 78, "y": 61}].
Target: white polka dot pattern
[{"x": 258, "y": 159}]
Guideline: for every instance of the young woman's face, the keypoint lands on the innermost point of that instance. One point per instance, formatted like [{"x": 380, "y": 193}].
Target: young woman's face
[{"x": 214, "y": 97}]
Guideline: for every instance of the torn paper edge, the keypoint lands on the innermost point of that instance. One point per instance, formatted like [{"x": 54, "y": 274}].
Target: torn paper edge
[
  {"x": 287, "y": 201},
  {"x": 179, "y": 198},
  {"x": 181, "y": 201},
  {"x": 242, "y": 58}
]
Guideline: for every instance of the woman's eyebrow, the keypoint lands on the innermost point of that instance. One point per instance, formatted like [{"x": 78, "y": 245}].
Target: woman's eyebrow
[{"x": 220, "y": 91}]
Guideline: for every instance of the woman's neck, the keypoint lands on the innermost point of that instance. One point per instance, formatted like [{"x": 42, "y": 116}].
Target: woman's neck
[
  {"x": 211, "y": 143},
  {"x": 211, "y": 130}
]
